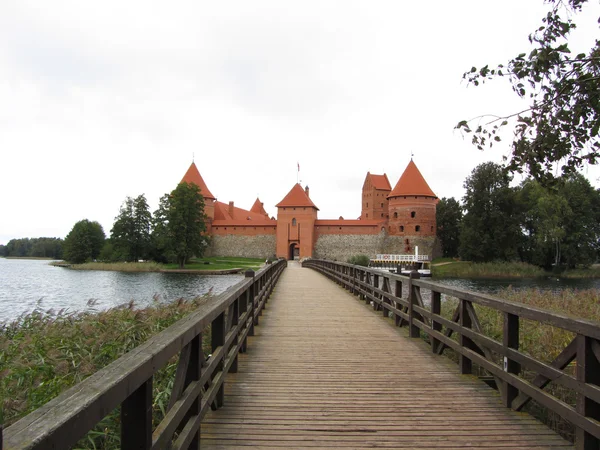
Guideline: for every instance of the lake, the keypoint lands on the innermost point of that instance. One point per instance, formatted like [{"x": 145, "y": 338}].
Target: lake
[{"x": 27, "y": 285}]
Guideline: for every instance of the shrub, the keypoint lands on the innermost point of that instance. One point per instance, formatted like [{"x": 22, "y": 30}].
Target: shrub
[{"x": 359, "y": 260}]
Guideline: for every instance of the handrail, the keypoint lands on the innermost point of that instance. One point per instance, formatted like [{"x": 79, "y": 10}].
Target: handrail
[
  {"x": 198, "y": 385},
  {"x": 502, "y": 360}
]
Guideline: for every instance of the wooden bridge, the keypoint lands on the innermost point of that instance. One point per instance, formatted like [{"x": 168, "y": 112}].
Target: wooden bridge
[{"x": 318, "y": 368}]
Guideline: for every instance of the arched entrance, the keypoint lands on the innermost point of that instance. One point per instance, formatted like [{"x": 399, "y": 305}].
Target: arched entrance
[{"x": 294, "y": 252}]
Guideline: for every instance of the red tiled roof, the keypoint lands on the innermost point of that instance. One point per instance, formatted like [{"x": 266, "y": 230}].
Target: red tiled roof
[
  {"x": 258, "y": 208},
  {"x": 381, "y": 182},
  {"x": 222, "y": 213},
  {"x": 247, "y": 223},
  {"x": 296, "y": 197},
  {"x": 193, "y": 176},
  {"x": 411, "y": 183}
]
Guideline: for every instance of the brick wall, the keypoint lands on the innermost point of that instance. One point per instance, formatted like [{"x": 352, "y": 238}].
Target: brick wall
[
  {"x": 341, "y": 247},
  {"x": 258, "y": 246}
]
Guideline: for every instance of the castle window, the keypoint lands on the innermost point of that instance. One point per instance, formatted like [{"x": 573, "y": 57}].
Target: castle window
[
  {"x": 382, "y": 205},
  {"x": 294, "y": 222},
  {"x": 367, "y": 216},
  {"x": 381, "y": 214},
  {"x": 395, "y": 215},
  {"x": 367, "y": 204},
  {"x": 432, "y": 229},
  {"x": 412, "y": 213},
  {"x": 401, "y": 228},
  {"x": 382, "y": 228},
  {"x": 418, "y": 228},
  {"x": 407, "y": 242}
]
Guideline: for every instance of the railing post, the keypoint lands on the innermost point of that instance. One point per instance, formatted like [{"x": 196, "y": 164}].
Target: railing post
[
  {"x": 217, "y": 330},
  {"x": 464, "y": 363},
  {"x": 250, "y": 299},
  {"x": 436, "y": 309},
  {"x": 235, "y": 319},
  {"x": 361, "y": 277},
  {"x": 136, "y": 418},
  {"x": 510, "y": 339},
  {"x": 413, "y": 330},
  {"x": 375, "y": 295},
  {"x": 398, "y": 293},
  {"x": 588, "y": 371}
]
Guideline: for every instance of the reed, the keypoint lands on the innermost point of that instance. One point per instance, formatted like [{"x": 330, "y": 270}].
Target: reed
[
  {"x": 543, "y": 342},
  {"x": 41, "y": 355}
]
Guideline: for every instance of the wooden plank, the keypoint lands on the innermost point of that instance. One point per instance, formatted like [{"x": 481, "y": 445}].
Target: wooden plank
[{"x": 324, "y": 371}]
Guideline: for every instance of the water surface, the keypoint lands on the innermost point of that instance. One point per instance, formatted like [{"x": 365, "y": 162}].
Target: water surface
[{"x": 27, "y": 285}]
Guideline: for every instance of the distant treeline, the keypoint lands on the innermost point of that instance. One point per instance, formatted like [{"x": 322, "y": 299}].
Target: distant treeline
[{"x": 43, "y": 247}]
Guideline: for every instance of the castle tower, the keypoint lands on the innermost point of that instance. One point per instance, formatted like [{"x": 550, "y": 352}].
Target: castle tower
[
  {"x": 412, "y": 206},
  {"x": 296, "y": 215},
  {"x": 193, "y": 176},
  {"x": 259, "y": 208},
  {"x": 375, "y": 191}
]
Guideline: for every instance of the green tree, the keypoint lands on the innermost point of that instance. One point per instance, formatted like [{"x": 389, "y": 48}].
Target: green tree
[
  {"x": 561, "y": 124},
  {"x": 130, "y": 233},
  {"x": 449, "y": 218},
  {"x": 179, "y": 224},
  {"x": 84, "y": 242},
  {"x": 490, "y": 226}
]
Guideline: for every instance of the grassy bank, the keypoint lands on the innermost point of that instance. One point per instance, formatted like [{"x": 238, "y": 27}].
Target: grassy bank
[
  {"x": 467, "y": 269},
  {"x": 200, "y": 264},
  {"x": 41, "y": 356},
  {"x": 220, "y": 263},
  {"x": 544, "y": 342}
]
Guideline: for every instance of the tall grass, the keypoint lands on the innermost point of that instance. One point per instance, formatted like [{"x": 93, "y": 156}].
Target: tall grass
[
  {"x": 43, "y": 355},
  {"x": 541, "y": 341},
  {"x": 487, "y": 270}
]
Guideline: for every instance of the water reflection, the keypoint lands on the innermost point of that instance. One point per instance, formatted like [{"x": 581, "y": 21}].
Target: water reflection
[{"x": 26, "y": 285}]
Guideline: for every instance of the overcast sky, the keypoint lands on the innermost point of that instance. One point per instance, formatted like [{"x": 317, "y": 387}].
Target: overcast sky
[{"x": 104, "y": 100}]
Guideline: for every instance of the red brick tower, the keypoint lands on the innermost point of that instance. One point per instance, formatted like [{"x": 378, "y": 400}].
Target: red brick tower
[
  {"x": 296, "y": 215},
  {"x": 376, "y": 189},
  {"x": 412, "y": 205}
]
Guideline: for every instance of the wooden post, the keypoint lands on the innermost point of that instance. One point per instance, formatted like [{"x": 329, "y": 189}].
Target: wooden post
[
  {"x": 136, "y": 418},
  {"x": 588, "y": 371},
  {"x": 436, "y": 309},
  {"x": 235, "y": 319},
  {"x": 362, "y": 279},
  {"x": 217, "y": 330},
  {"x": 375, "y": 295},
  {"x": 250, "y": 293},
  {"x": 465, "y": 364},
  {"x": 413, "y": 330},
  {"x": 510, "y": 339},
  {"x": 398, "y": 293},
  {"x": 243, "y": 309}
]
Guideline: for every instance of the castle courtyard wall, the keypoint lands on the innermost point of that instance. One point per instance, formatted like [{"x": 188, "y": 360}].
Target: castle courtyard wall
[{"x": 247, "y": 246}]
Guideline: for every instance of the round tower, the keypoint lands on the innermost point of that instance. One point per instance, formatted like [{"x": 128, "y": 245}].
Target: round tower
[{"x": 412, "y": 208}]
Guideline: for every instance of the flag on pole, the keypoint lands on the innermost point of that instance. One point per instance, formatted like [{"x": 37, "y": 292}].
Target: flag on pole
[{"x": 298, "y": 167}]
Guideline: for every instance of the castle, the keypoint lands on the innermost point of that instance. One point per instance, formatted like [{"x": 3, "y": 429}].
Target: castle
[{"x": 392, "y": 221}]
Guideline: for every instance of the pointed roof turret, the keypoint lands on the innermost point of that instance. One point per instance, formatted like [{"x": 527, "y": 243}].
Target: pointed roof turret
[
  {"x": 296, "y": 197},
  {"x": 259, "y": 208},
  {"x": 412, "y": 183},
  {"x": 193, "y": 176}
]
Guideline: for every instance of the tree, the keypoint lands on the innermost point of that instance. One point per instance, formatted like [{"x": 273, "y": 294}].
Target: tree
[
  {"x": 490, "y": 227},
  {"x": 449, "y": 217},
  {"x": 561, "y": 124},
  {"x": 179, "y": 224},
  {"x": 84, "y": 242},
  {"x": 130, "y": 233}
]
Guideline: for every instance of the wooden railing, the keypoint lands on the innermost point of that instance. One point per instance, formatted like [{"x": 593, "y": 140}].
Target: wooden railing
[
  {"x": 198, "y": 384},
  {"x": 501, "y": 359}
]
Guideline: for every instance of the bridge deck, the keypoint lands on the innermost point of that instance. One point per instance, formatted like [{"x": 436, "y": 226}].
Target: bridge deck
[{"x": 324, "y": 371}]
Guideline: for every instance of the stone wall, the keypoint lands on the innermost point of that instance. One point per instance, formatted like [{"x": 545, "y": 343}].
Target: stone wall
[
  {"x": 341, "y": 247},
  {"x": 260, "y": 246}
]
